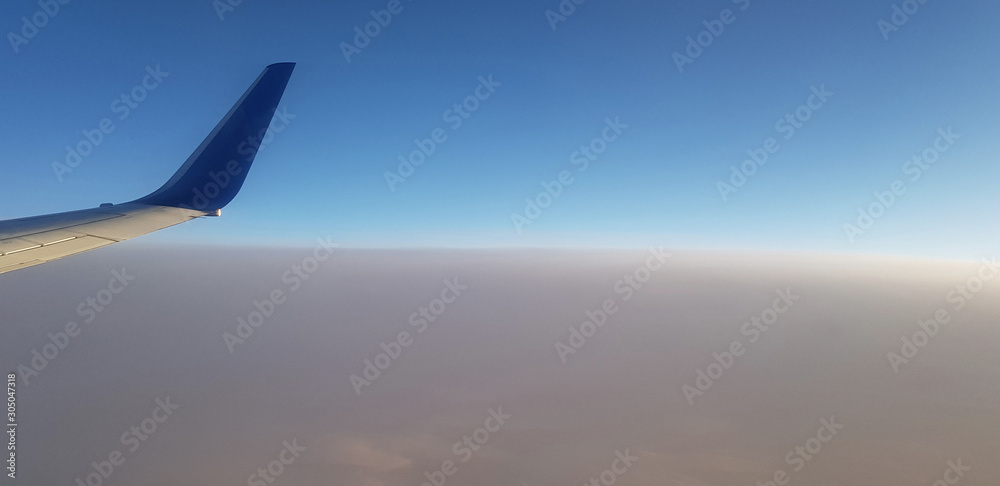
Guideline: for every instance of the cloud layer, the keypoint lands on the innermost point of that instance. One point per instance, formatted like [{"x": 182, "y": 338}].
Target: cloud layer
[{"x": 480, "y": 382}]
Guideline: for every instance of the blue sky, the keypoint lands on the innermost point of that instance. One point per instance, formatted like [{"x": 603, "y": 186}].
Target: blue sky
[{"x": 656, "y": 183}]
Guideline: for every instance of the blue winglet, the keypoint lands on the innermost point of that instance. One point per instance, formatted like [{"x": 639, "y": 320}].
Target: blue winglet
[{"x": 214, "y": 173}]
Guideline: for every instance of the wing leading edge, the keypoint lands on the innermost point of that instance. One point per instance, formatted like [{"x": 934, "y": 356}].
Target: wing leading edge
[{"x": 209, "y": 179}]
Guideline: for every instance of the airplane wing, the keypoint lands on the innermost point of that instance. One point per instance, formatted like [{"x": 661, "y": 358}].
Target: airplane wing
[{"x": 207, "y": 182}]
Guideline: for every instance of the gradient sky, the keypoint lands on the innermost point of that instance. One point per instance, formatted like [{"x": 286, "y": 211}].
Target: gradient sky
[{"x": 657, "y": 183}]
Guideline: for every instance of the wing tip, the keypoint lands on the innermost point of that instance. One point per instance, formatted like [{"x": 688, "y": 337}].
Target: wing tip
[
  {"x": 285, "y": 68},
  {"x": 209, "y": 169}
]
